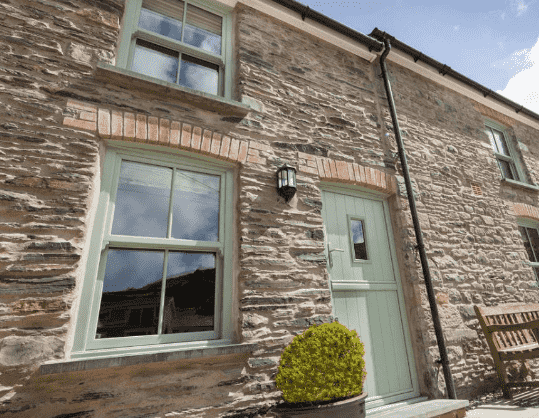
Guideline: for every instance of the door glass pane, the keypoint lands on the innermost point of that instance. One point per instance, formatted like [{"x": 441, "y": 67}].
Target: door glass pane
[
  {"x": 203, "y": 29},
  {"x": 190, "y": 293},
  {"x": 155, "y": 61},
  {"x": 195, "y": 213},
  {"x": 160, "y": 24},
  {"x": 358, "y": 238},
  {"x": 142, "y": 200},
  {"x": 131, "y": 293},
  {"x": 199, "y": 75},
  {"x": 505, "y": 168},
  {"x": 527, "y": 243}
]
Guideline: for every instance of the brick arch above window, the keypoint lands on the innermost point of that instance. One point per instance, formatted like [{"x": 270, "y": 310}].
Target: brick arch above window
[
  {"x": 523, "y": 210},
  {"x": 127, "y": 126}
]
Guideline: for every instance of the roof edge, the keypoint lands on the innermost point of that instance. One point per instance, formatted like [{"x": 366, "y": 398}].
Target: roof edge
[
  {"x": 446, "y": 70},
  {"x": 307, "y": 12}
]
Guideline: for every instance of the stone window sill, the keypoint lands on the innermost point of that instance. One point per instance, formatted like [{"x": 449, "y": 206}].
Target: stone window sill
[
  {"x": 110, "y": 358},
  {"x": 135, "y": 81},
  {"x": 520, "y": 184}
]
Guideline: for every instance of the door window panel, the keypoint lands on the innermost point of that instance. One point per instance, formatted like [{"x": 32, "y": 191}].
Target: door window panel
[{"x": 358, "y": 238}]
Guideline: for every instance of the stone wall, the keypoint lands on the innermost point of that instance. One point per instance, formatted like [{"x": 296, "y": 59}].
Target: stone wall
[{"x": 314, "y": 106}]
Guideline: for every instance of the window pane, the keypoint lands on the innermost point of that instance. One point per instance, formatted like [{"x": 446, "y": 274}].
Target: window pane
[
  {"x": 500, "y": 141},
  {"x": 190, "y": 293},
  {"x": 203, "y": 29},
  {"x": 526, "y": 242},
  {"x": 131, "y": 293},
  {"x": 155, "y": 61},
  {"x": 358, "y": 238},
  {"x": 492, "y": 140},
  {"x": 505, "y": 168},
  {"x": 534, "y": 238},
  {"x": 160, "y": 24},
  {"x": 142, "y": 200},
  {"x": 199, "y": 75},
  {"x": 195, "y": 213}
]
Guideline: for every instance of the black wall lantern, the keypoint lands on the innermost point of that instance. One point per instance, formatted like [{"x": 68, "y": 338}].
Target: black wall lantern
[{"x": 286, "y": 182}]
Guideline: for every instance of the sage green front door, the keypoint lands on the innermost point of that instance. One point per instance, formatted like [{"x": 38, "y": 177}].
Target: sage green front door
[{"x": 366, "y": 291}]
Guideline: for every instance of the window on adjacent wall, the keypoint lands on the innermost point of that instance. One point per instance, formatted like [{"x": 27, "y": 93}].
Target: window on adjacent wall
[
  {"x": 181, "y": 42},
  {"x": 160, "y": 273},
  {"x": 530, "y": 237},
  {"x": 502, "y": 150}
]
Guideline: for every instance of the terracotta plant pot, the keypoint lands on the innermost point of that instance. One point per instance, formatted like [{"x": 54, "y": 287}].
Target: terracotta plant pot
[{"x": 348, "y": 408}]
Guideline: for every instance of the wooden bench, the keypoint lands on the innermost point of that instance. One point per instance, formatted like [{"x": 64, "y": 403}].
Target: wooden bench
[{"x": 512, "y": 333}]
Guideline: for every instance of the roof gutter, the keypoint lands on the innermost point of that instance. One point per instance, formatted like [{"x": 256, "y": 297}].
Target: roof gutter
[
  {"x": 446, "y": 70},
  {"x": 306, "y": 12},
  {"x": 451, "y": 394}
]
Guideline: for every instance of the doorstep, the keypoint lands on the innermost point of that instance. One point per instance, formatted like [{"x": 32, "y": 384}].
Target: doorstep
[{"x": 422, "y": 408}]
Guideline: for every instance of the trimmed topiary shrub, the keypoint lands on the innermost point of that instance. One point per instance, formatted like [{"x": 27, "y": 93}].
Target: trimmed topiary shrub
[{"x": 324, "y": 363}]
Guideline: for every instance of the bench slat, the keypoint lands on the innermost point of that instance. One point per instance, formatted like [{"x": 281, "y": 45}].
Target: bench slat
[{"x": 507, "y": 309}]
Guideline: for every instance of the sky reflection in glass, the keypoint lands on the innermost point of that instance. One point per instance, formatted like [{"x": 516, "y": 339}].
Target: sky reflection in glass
[
  {"x": 196, "y": 206},
  {"x": 142, "y": 200},
  {"x": 162, "y": 25},
  {"x": 196, "y": 75},
  {"x": 155, "y": 63}
]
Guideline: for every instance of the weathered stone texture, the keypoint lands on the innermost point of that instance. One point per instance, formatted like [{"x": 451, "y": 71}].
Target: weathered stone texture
[{"x": 314, "y": 106}]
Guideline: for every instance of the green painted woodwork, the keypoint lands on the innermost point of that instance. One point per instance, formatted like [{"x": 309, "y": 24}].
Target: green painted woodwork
[
  {"x": 85, "y": 343},
  {"x": 367, "y": 294},
  {"x": 130, "y": 32}
]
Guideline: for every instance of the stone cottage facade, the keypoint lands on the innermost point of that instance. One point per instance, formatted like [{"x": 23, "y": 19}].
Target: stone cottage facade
[{"x": 148, "y": 266}]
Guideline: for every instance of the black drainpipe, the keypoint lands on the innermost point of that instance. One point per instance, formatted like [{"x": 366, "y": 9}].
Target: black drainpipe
[{"x": 418, "y": 234}]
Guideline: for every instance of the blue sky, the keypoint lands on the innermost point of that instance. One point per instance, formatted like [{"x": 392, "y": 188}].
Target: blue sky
[{"x": 495, "y": 43}]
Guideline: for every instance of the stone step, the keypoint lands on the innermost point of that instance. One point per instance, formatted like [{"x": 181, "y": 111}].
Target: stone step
[{"x": 422, "y": 408}]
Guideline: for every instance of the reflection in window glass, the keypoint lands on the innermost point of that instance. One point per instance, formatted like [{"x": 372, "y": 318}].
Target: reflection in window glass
[
  {"x": 195, "y": 212},
  {"x": 527, "y": 243},
  {"x": 203, "y": 29},
  {"x": 190, "y": 293},
  {"x": 131, "y": 293},
  {"x": 500, "y": 142},
  {"x": 358, "y": 239},
  {"x": 505, "y": 168},
  {"x": 142, "y": 200},
  {"x": 160, "y": 24},
  {"x": 155, "y": 61},
  {"x": 199, "y": 75}
]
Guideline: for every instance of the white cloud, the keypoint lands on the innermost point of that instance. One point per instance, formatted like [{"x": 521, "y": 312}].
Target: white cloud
[
  {"x": 523, "y": 87},
  {"x": 456, "y": 28},
  {"x": 519, "y": 6}
]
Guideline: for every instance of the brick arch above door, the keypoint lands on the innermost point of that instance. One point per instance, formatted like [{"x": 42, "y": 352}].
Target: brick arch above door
[{"x": 132, "y": 127}]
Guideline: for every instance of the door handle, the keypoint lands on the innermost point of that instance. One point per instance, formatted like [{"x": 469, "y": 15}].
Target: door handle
[{"x": 329, "y": 254}]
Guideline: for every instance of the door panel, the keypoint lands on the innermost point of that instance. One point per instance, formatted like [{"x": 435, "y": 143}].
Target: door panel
[{"x": 366, "y": 294}]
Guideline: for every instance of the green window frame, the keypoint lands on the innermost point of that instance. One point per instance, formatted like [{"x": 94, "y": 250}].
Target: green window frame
[
  {"x": 105, "y": 241},
  {"x": 135, "y": 39},
  {"x": 504, "y": 152},
  {"x": 529, "y": 232}
]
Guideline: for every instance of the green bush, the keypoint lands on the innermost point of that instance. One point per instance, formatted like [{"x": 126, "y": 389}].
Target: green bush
[{"x": 325, "y": 362}]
